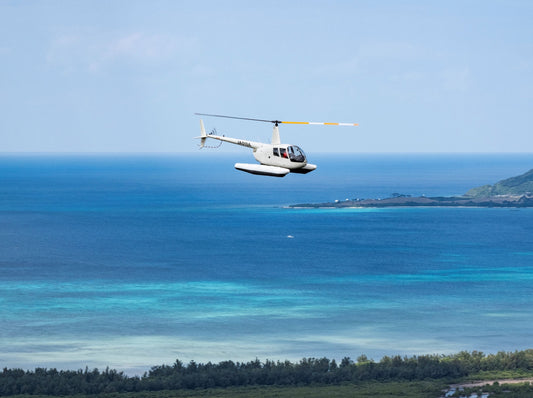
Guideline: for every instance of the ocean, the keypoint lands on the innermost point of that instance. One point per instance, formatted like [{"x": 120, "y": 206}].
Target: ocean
[{"x": 131, "y": 261}]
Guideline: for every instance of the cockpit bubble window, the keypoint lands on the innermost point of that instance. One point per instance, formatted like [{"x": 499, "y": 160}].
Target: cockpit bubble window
[
  {"x": 296, "y": 154},
  {"x": 275, "y": 151}
]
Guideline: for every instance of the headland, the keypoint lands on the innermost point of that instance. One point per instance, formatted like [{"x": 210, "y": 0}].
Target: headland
[{"x": 511, "y": 192}]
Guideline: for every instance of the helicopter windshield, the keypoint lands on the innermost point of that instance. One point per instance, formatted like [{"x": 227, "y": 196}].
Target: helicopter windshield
[{"x": 296, "y": 154}]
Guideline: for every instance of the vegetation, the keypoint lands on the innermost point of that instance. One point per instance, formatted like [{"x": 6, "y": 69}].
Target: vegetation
[
  {"x": 429, "y": 389},
  {"x": 229, "y": 374},
  {"x": 519, "y": 185},
  {"x": 497, "y": 390}
]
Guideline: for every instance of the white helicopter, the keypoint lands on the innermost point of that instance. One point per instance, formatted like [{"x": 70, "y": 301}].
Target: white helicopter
[{"x": 276, "y": 159}]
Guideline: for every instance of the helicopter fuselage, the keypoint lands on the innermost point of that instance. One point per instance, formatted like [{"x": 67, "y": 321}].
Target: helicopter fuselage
[
  {"x": 276, "y": 160},
  {"x": 288, "y": 156}
]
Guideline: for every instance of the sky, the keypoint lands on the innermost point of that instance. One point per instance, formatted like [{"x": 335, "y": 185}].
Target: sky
[{"x": 128, "y": 76}]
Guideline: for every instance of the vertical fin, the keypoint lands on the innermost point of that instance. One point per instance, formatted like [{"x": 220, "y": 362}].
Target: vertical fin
[{"x": 203, "y": 136}]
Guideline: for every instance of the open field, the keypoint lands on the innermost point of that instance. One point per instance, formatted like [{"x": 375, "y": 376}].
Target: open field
[{"x": 418, "y": 389}]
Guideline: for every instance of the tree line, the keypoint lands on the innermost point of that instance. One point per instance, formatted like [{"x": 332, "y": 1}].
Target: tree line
[{"x": 307, "y": 371}]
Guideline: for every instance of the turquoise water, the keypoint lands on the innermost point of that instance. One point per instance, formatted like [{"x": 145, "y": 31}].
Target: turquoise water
[{"x": 135, "y": 261}]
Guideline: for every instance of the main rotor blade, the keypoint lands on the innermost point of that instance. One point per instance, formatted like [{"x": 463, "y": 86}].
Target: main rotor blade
[
  {"x": 241, "y": 118},
  {"x": 278, "y": 121},
  {"x": 325, "y": 124}
]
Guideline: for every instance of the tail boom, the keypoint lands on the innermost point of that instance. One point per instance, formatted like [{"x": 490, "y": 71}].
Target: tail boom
[{"x": 203, "y": 137}]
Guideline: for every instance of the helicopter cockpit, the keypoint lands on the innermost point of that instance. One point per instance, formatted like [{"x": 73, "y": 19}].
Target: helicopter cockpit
[{"x": 292, "y": 152}]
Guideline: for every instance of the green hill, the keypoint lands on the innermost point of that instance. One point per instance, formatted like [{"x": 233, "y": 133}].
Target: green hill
[{"x": 519, "y": 185}]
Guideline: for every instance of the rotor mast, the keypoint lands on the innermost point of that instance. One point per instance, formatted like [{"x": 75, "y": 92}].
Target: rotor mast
[{"x": 276, "y": 140}]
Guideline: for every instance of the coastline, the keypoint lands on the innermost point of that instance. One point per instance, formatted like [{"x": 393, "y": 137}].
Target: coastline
[{"x": 515, "y": 201}]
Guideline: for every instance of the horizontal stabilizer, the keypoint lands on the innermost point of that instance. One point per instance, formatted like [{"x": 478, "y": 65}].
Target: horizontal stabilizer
[{"x": 261, "y": 169}]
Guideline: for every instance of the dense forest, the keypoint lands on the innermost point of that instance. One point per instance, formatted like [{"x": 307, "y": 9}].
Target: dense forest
[{"x": 308, "y": 371}]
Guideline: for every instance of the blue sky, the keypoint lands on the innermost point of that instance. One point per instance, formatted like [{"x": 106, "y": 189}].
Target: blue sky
[{"x": 127, "y": 76}]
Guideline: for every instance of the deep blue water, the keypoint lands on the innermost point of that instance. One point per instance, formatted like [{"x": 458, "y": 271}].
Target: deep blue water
[{"x": 134, "y": 261}]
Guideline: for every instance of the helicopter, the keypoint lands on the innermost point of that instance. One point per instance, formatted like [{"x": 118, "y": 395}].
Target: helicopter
[{"x": 276, "y": 159}]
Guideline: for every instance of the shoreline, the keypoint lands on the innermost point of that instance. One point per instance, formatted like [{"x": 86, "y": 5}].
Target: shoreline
[{"x": 504, "y": 201}]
